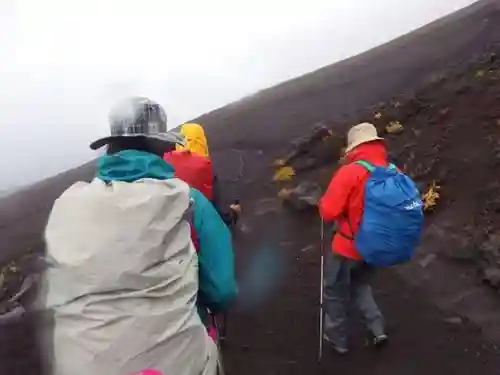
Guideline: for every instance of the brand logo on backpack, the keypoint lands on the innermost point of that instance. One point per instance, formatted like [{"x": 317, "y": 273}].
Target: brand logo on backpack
[
  {"x": 392, "y": 218},
  {"x": 416, "y": 204}
]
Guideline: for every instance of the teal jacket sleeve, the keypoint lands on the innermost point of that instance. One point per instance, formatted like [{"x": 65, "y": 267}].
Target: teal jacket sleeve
[{"x": 217, "y": 281}]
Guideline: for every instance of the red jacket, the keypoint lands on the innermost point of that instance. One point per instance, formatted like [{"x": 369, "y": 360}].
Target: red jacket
[
  {"x": 343, "y": 200},
  {"x": 193, "y": 169}
]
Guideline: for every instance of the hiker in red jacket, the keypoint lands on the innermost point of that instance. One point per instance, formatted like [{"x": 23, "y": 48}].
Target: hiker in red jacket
[
  {"x": 193, "y": 165},
  {"x": 346, "y": 275}
]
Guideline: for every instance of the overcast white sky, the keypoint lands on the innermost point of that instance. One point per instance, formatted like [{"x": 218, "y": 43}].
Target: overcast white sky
[{"x": 63, "y": 62}]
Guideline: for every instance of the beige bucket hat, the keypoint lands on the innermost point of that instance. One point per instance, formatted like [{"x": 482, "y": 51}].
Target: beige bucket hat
[{"x": 361, "y": 133}]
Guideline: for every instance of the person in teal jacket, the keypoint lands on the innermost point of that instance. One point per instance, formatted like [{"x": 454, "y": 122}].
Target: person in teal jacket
[{"x": 138, "y": 140}]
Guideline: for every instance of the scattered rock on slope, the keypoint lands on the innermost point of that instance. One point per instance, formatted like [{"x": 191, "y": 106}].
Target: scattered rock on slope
[
  {"x": 302, "y": 197},
  {"x": 318, "y": 148},
  {"x": 492, "y": 276}
]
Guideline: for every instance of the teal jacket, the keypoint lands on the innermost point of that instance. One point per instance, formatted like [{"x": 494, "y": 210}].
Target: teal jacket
[{"x": 217, "y": 283}]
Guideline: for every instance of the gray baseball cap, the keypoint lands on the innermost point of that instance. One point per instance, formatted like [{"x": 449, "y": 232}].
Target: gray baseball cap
[{"x": 138, "y": 117}]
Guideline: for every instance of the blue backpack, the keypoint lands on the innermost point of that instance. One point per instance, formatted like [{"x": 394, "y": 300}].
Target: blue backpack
[{"x": 392, "y": 218}]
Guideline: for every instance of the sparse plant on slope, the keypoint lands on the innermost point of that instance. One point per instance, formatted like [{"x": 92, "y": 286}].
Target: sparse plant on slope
[
  {"x": 6, "y": 273},
  {"x": 7, "y": 270},
  {"x": 430, "y": 197},
  {"x": 284, "y": 174}
]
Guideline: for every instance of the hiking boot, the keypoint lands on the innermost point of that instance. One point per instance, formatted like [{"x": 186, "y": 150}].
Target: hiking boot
[
  {"x": 380, "y": 341},
  {"x": 338, "y": 349}
]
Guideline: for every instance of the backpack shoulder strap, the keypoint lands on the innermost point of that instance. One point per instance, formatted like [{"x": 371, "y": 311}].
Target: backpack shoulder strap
[
  {"x": 368, "y": 166},
  {"x": 189, "y": 217}
]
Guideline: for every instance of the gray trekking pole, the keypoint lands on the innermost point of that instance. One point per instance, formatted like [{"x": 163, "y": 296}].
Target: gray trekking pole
[
  {"x": 215, "y": 324},
  {"x": 322, "y": 250},
  {"x": 220, "y": 365},
  {"x": 224, "y": 328}
]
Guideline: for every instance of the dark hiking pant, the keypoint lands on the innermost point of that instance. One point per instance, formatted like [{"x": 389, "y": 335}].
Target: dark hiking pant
[{"x": 348, "y": 280}]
